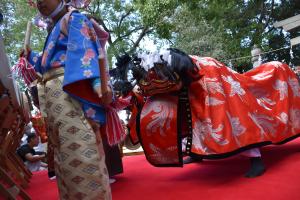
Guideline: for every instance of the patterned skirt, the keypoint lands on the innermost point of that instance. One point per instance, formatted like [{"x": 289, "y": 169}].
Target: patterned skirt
[{"x": 78, "y": 151}]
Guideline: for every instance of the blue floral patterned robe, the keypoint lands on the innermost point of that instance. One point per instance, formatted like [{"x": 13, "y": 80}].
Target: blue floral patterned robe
[{"x": 78, "y": 53}]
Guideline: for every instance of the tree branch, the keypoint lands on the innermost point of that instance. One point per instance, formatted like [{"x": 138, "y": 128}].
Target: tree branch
[
  {"x": 131, "y": 31},
  {"x": 258, "y": 29},
  {"x": 270, "y": 15},
  {"x": 144, "y": 32},
  {"x": 124, "y": 16}
]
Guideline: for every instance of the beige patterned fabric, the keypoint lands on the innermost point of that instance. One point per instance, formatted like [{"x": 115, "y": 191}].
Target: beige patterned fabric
[
  {"x": 50, "y": 155},
  {"x": 78, "y": 152},
  {"x": 42, "y": 99}
]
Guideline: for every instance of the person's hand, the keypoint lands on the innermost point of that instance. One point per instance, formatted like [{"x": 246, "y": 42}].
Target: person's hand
[
  {"x": 23, "y": 52},
  {"x": 106, "y": 98},
  {"x": 137, "y": 90},
  {"x": 42, "y": 156}
]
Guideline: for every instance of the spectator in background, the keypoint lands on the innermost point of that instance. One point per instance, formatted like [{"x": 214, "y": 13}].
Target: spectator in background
[
  {"x": 29, "y": 130},
  {"x": 31, "y": 158}
]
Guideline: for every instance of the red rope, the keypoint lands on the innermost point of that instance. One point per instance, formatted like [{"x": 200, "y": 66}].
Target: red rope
[{"x": 25, "y": 70}]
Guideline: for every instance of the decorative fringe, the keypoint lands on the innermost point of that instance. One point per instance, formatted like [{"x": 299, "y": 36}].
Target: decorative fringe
[
  {"x": 113, "y": 127},
  {"x": 25, "y": 71}
]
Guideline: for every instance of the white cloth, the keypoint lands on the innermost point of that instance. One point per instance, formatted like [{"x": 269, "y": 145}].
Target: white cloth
[
  {"x": 34, "y": 166},
  {"x": 24, "y": 140},
  {"x": 40, "y": 147},
  {"x": 255, "y": 152}
]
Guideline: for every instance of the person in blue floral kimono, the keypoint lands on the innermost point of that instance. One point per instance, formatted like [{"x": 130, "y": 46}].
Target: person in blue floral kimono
[{"x": 71, "y": 99}]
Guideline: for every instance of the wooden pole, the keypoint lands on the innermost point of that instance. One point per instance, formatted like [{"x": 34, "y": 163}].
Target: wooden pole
[
  {"x": 103, "y": 72},
  {"x": 27, "y": 37},
  {"x": 26, "y": 45}
]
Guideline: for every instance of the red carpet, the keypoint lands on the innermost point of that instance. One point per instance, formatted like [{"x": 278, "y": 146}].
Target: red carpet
[{"x": 210, "y": 180}]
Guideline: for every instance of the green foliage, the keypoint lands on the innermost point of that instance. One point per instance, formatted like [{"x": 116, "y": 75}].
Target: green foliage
[
  {"x": 16, "y": 15},
  {"x": 121, "y": 21},
  {"x": 195, "y": 36},
  {"x": 216, "y": 28},
  {"x": 129, "y": 22},
  {"x": 244, "y": 23}
]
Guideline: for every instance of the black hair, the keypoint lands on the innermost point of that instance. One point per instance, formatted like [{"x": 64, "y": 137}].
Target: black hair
[
  {"x": 182, "y": 64},
  {"x": 138, "y": 72},
  {"x": 119, "y": 74},
  {"x": 30, "y": 137}
]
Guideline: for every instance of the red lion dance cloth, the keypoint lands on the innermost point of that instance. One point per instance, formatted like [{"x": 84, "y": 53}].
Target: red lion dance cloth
[{"x": 220, "y": 113}]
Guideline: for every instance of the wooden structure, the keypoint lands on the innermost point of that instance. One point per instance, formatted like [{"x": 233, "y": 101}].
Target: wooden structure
[
  {"x": 289, "y": 24},
  {"x": 14, "y": 176}
]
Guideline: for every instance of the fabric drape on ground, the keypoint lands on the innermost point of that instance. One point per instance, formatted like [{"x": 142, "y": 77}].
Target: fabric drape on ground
[{"x": 230, "y": 113}]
